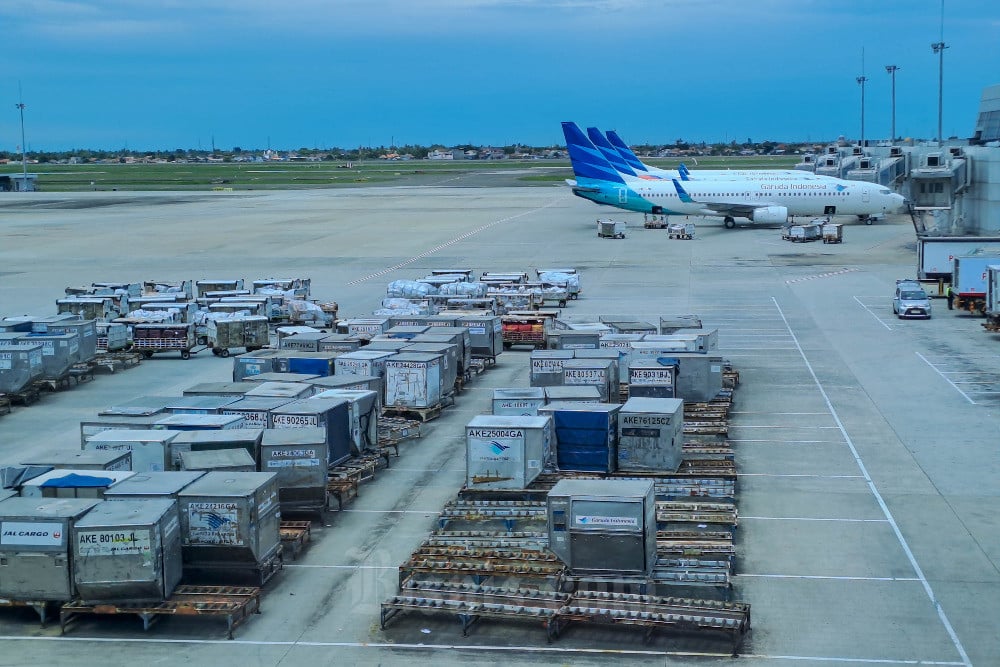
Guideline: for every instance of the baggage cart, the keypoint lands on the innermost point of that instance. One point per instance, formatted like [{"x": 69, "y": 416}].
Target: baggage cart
[
  {"x": 610, "y": 229},
  {"x": 524, "y": 329},
  {"x": 681, "y": 231},
  {"x": 833, "y": 232},
  {"x": 251, "y": 333},
  {"x": 148, "y": 339}
]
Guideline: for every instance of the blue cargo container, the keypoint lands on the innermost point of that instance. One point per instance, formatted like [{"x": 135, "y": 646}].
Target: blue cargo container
[
  {"x": 586, "y": 435},
  {"x": 322, "y": 364}
]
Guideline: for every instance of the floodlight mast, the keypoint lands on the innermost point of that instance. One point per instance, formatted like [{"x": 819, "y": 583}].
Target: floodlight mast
[{"x": 891, "y": 69}]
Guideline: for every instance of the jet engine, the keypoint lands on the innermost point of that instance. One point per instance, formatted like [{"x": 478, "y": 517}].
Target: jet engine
[{"x": 770, "y": 215}]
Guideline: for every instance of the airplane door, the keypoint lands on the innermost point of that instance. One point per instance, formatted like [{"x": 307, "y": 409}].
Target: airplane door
[{"x": 622, "y": 195}]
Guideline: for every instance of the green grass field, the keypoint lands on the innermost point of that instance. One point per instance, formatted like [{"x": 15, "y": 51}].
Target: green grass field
[{"x": 285, "y": 175}]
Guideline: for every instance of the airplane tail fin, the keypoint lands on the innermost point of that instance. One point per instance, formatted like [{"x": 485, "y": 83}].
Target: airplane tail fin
[
  {"x": 609, "y": 152},
  {"x": 684, "y": 172},
  {"x": 682, "y": 193},
  {"x": 586, "y": 159},
  {"x": 627, "y": 154}
]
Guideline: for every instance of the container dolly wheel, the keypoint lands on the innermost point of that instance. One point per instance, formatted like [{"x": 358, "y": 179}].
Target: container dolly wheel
[
  {"x": 185, "y": 354},
  {"x": 224, "y": 352},
  {"x": 148, "y": 354}
]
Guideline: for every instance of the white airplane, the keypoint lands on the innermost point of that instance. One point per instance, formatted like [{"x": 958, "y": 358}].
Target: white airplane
[
  {"x": 598, "y": 180},
  {"x": 610, "y": 142}
]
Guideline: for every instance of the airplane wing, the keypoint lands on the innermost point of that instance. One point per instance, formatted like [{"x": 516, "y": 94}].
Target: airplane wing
[{"x": 728, "y": 208}]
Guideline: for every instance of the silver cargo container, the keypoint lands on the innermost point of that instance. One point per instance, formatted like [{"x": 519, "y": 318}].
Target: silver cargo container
[
  {"x": 199, "y": 422},
  {"x": 569, "y": 339},
  {"x": 506, "y": 452},
  {"x": 629, "y": 326},
  {"x": 127, "y": 551},
  {"x": 405, "y": 332},
  {"x": 230, "y": 520},
  {"x": 650, "y": 434},
  {"x": 86, "y": 330},
  {"x": 237, "y": 389},
  {"x": 450, "y": 364},
  {"x": 255, "y": 363},
  {"x": 458, "y": 335},
  {"x": 603, "y": 527},
  {"x": 247, "y": 439},
  {"x": 111, "y": 336},
  {"x": 601, "y": 373},
  {"x": 413, "y": 380},
  {"x": 140, "y": 406},
  {"x": 20, "y": 365},
  {"x": 339, "y": 343},
  {"x": 362, "y": 382},
  {"x": 59, "y": 352},
  {"x": 699, "y": 376},
  {"x": 199, "y": 405},
  {"x": 364, "y": 408},
  {"x": 672, "y": 323},
  {"x": 363, "y": 362},
  {"x": 619, "y": 359},
  {"x": 292, "y": 391},
  {"x": 333, "y": 415},
  {"x": 249, "y": 332},
  {"x": 485, "y": 335},
  {"x": 34, "y": 547},
  {"x": 255, "y": 410},
  {"x": 281, "y": 377},
  {"x": 518, "y": 402},
  {"x": 692, "y": 342},
  {"x": 298, "y": 456},
  {"x": 150, "y": 448},
  {"x": 388, "y": 344},
  {"x": 71, "y": 483},
  {"x": 572, "y": 394},
  {"x": 547, "y": 367},
  {"x": 305, "y": 342},
  {"x": 708, "y": 339},
  {"x": 153, "y": 485},
  {"x": 363, "y": 327},
  {"x": 648, "y": 378},
  {"x": 232, "y": 460},
  {"x": 203, "y": 287},
  {"x": 92, "y": 427},
  {"x": 82, "y": 459}
]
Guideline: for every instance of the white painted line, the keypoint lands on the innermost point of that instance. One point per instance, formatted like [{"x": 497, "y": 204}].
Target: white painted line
[
  {"x": 393, "y": 511},
  {"x": 806, "y": 518},
  {"x": 821, "y": 576},
  {"x": 340, "y": 567},
  {"x": 803, "y": 428},
  {"x": 790, "y": 442},
  {"x": 749, "y": 412},
  {"x": 859, "y": 661},
  {"x": 881, "y": 501},
  {"x": 775, "y": 474},
  {"x": 945, "y": 378},
  {"x": 872, "y": 313}
]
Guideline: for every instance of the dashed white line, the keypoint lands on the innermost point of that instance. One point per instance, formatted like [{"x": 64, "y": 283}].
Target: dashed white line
[
  {"x": 946, "y": 378},
  {"x": 872, "y": 313}
]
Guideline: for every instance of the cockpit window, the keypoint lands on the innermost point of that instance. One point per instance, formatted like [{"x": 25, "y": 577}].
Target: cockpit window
[{"x": 884, "y": 191}]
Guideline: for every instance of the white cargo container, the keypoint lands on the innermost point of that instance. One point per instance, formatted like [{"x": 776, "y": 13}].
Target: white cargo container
[
  {"x": 547, "y": 367},
  {"x": 518, "y": 402},
  {"x": 291, "y": 391},
  {"x": 256, "y": 410},
  {"x": 70, "y": 483},
  {"x": 150, "y": 448},
  {"x": 363, "y": 362},
  {"x": 506, "y": 452},
  {"x": 413, "y": 380},
  {"x": 650, "y": 434},
  {"x": 649, "y": 378},
  {"x": 601, "y": 373}
]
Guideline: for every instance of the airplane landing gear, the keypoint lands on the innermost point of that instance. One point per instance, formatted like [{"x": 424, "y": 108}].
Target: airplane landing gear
[{"x": 729, "y": 222}]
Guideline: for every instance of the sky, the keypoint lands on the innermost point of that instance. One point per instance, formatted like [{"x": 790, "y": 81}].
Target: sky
[{"x": 168, "y": 74}]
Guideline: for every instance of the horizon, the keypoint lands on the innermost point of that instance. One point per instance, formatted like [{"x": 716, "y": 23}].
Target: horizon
[{"x": 108, "y": 74}]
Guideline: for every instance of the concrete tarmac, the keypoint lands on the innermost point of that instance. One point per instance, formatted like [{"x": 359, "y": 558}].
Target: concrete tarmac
[{"x": 867, "y": 446}]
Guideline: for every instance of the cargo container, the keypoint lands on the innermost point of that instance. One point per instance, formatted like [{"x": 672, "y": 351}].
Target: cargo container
[
  {"x": 648, "y": 378},
  {"x": 77, "y": 459},
  {"x": 244, "y": 308},
  {"x": 405, "y": 332},
  {"x": 586, "y": 435},
  {"x": 298, "y": 456},
  {"x": 363, "y": 362},
  {"x": 518, "y": 402},
  {"x": 695, "y": 340},
  {"x": 153, "y": 485},
  {"x": 450, "y": 363},
  {"x": 993, "y": 295},
  {"x": 150, "y": 448},
  {"x": 623, "y": 326},
  {"x": 140, "y": 406},
  {"x": 363, "y": 328},
  {"x": 20, "y": 365},
  {"x": 200, "y": 422},
  {"x": 650, "y": 435},
  {"x": 485, "y": 335},
  {"x": 255, "y": 410},
  {"x": 969, "y": 279},
  {"x": 365, "y": 382},
  {"x": 699, "y": 376},
  {"x": 300, "y": 288},
  {"x": 293, "y": 391},
  {"x": 203, "y": 287},
  {"x": 199, "y": 405},
  {"x": 601, "y": 373},
  {"x": 111, "y": 336},
  {"x": 617, "y": 356},
  {"x": 35, "y": 547},
  {"x": 547, "y": 367},
  {"x": 237, "y": 389},
  {"x": 413, "y": 380},
  {"x": 572, "y": 394},
  {"x": 92, "y": 427},
  {"x": 671, "y": 323},
  {"x": 304, "y": 342},
  {"x": 230, "y": 522},
  {"x": 89, "y": 308},
  {"x": 127, "y": 551},
  {"x": 602, "y": 527},
  {"x": 567, "y": 339},
  {"x": 59, "y": 352},
  {"x": 364, "y": 408},
  {"x": 255, "y": 363},
  {"x": 247, "y": 439},
  {"x": 281, "y": 377},
  {"x": 332, "y": 415},
  {"x": 506, "y": 452},
  {"x": 460, "y": 336},
  {"x": 86, "y": 330},
  {"x": 73, "y": 483},
  {"x": 231, "y": 460},
  {"x": 339, "y": 343},
  {"x": 388, "y": 345},
  {"x": 309, "y": 363},
  {"x": 250, "y": 333}
]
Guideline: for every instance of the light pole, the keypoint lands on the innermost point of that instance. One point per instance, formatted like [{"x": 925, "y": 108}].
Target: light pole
[
  {"x": 939, "y": 48},
  {"x": 891, "y": 69},
  {"x": 861, "y": 80},
  {"x": 24, "y": 161}
]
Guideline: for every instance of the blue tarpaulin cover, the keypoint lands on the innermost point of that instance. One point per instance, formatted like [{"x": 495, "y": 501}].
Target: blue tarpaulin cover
[{"x": 75, "y": 481}]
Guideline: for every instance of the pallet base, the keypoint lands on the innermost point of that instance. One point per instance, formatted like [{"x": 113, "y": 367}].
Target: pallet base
[
  {"x": 235, "y": 604},
  {"x": 260, "y": 573},
  {"x": 294, "y": 536}
]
